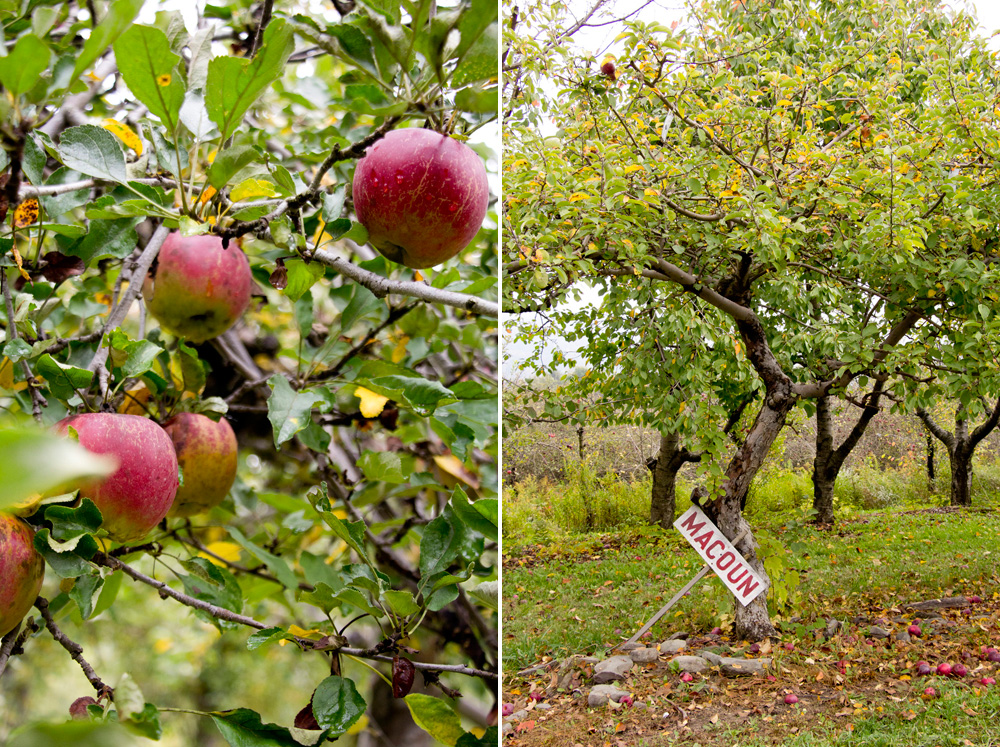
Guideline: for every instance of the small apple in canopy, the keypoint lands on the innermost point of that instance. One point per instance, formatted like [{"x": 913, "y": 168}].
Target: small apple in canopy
[
  {"x": 206, "y": 452},
  {"x": 21, "y": 571}
]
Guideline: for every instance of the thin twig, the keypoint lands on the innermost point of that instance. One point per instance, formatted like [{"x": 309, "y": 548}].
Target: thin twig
[
  {"x": 7, "y": 645},
  {"x": 38, "y": 402},
  {"x": 265, "y": 18},
  {"x": 74, "y": 648},
  {"x": 223, "y": 614}
]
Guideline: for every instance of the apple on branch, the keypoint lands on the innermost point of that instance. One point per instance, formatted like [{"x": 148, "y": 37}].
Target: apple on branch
[
  {"x": 421, "y": 195},
  {"x": 197, "y": 289},
  {"x": 206, "y": 452},
  {"x": 136, "y": 497},
  {"x": 21, "y": 571}
]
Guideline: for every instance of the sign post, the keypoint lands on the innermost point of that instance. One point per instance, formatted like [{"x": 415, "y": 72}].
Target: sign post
[{"x": 719, "y": 555}]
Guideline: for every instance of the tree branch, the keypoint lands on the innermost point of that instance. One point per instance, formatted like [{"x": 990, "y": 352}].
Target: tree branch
[{"x": 74, "y": 648}]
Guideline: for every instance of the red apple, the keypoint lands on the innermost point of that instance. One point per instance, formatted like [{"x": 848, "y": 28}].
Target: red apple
[
  {"x": 944, "y": 669},
  {"x": 987, "y": 681},
  {"x": 791, "y": 699},
  {"x": 421, "y": 195},
  {"x": 687, "y": 677},
  {"x": 913, "y": 630},
  {"x": 993, "y": 655},
  {"x": 78, "y": 708},
  {"x": 206, "y": 452},
  {"x": 923, "y": 668},
  {"x": 930, "y": 692},
  {"x": 608, "y": 68},
  {"x": 959, "y": 670},
  {"x": 136, "y": 496},
  {"x": 197, "y": 289},
  {"x": 21, "y": 571}
]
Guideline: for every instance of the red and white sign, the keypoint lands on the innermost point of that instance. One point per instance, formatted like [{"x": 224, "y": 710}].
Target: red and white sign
[{"x": 720, "y": 555}]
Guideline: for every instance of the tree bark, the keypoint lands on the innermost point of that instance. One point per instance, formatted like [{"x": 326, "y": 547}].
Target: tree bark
[
  {"x": 961, "y": 445},
  {"x": 753, "y": 622},
  {"x": 930, "y": 463},
  {"x": 828, "y": 460},
  {"x": 668, "y": 462}
]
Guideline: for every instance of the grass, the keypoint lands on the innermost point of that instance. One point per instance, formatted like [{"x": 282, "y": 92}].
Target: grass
[{"x": 568, "y": 591}]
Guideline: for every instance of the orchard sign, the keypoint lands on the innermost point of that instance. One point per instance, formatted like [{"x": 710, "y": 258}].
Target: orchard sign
[{"x": 720, "y": 555}]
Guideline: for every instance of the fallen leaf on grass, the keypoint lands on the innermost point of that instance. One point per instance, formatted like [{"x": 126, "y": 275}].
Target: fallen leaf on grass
[{"x": 524, "y": 726}]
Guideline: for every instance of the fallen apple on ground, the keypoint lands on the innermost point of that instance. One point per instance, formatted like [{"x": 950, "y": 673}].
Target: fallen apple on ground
[
  {"x": 135, "y": 497},
  {"x": 207, "y": 453},
  {"x": 421, "y": 195},
  {"x": 197, "y": 289},
  {"x": 21, "y": 571}
]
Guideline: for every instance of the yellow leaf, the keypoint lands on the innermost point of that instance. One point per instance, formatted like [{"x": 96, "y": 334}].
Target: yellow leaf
[
  {"x": 26, "y": 214},
  {"x": 633, "y": 168},
  {"x": 650, "y": 192},
  {"x": 207, "y": 194},
  {"x": 124, "y": 133},
  {"x": 399, "y": 352},
  {"x": 17, "y": 258},
  {"x": 451, "y": 464},
  {"x": 302, "y": 633},
  {"x": 227, "y": 551},
  {"x": 134, "y": 401},
  {"x": 360, "y": 725},
  {"x": 784, "y": 102},
  {"x": 577, "y": 196},
  {"x": 251, "y": 188},
  {"x": 371, "y": 403}
]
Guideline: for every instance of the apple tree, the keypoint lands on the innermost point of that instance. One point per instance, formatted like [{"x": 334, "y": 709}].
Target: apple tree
[
  {"x": 249, "y": 372},
  {"x": 811, "y": 175}
]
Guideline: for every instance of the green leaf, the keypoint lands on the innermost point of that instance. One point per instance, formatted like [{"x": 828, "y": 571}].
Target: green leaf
[
  {"x": 228, "y": 163},
  {"x": 445, "y": 539},
  {"x": 34, "y": 160},
  {"x": 134, "y": 357},
  {"x": 36, "y": 461},
  {"x": 69, "y": 523},
  {"x": 401, "y": 602},
  {"x": 146, "y": 723},
  {"x": 129, "y": 700},
  {"x": 353, "y": 533},
  {"x": 106, "y": 238},
  {"x": 23, "y": 66},
  {"x": 83, "y": 592},
  {"x": 480, "y": 61},
  {"x": 489, "y": 739},
  {"x": 224, "y": 591},
  {"x": 277, "y": 565},
  {"x": 262, "y": 637},
  {"x": 488, "y": 593},
  {"x": 481, "y": 516},
  {"x": 119, "y": 16},
  {"x": 63, "y": 380},
  {"x": 16, "y": 350},
  {"x": 362, "y": 303},
  {"x": 337, "y": 704},
  {"x": 414, "y": 390},
  {"x": 109, "y": 592},
  {"x": 289, "y": 410},
  {"x": 384, "y": 466},
  {"x": 192, "y": 368},
  {"x": 67, "y": 560},
  {"x": 478, "y": 100},
  {"x": 435, "y": 717},
  {"x": 93, "y": 151},
  {"x": 302, "y": 276},
  {"x": 243, "y": 728},
  {"x": 235, "y": 83},
  {"x": 150, "y": 70}
]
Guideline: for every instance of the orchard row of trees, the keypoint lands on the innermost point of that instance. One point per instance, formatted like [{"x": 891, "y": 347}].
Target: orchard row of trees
[
  {"x": 780, "y": 204},
  {"x": 192, "y": 201}
]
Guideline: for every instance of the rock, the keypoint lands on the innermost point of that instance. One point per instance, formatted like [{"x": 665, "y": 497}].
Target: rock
[
  {"x": 626, "y": 647},
  {"x": 508, "y": 728},
  {"x": 682, "y": 635},
  {"x": 639, "y": 705},
  {"x": 877, "y": 632},
  {"x": 644, "y": 655},
  {"x": 833, "y": 626},
  {"x": 902, "y": 636},
  {"x": 589, "y": 660},
  {"x": 711, "y": 657},
  {"x": 601, "y": 694},
  {"x": 612, "y": 669},
  {"x": 693, "y": 664},
  {"x": 742, "y": 667},
  {"x": 944, "y": 603},
  {"x": 937, "y": 624},
  {"x": 673, "y": 646},
  {"x": 518, "y": 716},
  {"x": 860, "y": 620},
  {"x": 536, "y": 668},
  {"x": 543, "y": 706}
]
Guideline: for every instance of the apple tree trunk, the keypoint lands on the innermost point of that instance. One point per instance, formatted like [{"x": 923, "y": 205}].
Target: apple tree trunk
[
  {"x": 961, "y": 445},
  {"x": 668, "y": 462},
  {"x": 829, "y": 460}
]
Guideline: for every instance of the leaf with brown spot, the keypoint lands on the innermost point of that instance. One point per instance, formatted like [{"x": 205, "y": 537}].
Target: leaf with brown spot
[
  {"x": 58, "y": 267},
  {"x": 26, "y": 213}
]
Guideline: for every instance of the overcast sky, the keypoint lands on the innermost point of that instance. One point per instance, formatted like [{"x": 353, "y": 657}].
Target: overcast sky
[{"x": 600, "y": 41}]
